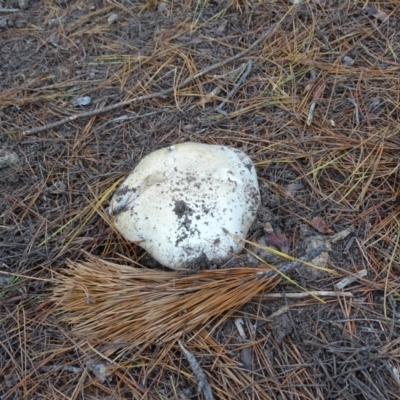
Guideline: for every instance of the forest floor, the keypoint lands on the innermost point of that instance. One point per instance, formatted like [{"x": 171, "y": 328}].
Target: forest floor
[{"x": 317, "y": 108}]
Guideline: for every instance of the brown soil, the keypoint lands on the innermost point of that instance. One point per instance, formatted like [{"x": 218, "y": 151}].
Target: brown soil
[{"x": 343, "y": 167}]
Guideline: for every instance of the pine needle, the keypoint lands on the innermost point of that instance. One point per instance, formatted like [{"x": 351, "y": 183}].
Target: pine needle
[{"x": 112, "y": 304}]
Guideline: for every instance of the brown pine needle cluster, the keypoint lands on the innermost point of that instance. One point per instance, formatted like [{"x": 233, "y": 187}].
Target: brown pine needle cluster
[{"x": 107, "y": 303}]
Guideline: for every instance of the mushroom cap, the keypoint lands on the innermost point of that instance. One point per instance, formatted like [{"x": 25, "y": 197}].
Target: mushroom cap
[{"x": 188, "y": 204}]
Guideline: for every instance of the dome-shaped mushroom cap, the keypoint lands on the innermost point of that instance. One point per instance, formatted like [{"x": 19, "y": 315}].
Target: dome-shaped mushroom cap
[{"x": 182, "y": 203}]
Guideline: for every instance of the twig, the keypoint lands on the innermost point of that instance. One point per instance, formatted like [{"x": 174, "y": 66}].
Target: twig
[
  {"x": 284, "y": 269},
  {"x": 133, "y": 117},
  {"x": 310, "y": 115},
  {"x": 232, "y": 75},
  {"x": 286, "y": 308},
  {"x": 320, "y": 293},
  {"x": 340, "y": 235},
  {"x": 350, "y": 279},
  {"x": 357, "y": 117},
  {"x": 235, "y": 88},
  {"x": 278, "y": 312},
  {"x": 349, "y": 244},
  {"x": 9, "y": 10},
  {"x": 319, "y": 91},
  {"x": 158, "y": 95},
  {"x": 239, "y": 326},
  {"x": 201, "y": 377}
]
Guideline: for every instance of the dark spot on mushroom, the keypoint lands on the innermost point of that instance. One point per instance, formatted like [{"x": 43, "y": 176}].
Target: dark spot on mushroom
[
  {"x": 184, "y": 213},
  {"x": 205, "y": 209},
  {"x": 249, "y": 166},
  {"x": 181, "y": 209},
  {"x": 119, "y": 204},
  {"x": 181, "y": 238}
]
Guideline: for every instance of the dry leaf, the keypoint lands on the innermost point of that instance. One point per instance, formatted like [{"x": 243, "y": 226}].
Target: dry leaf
[
  {"x": 378, "y": 14},
  {"x": 277, "y": 240},
  {"x": 320, "y": 225},
  {"x": 319, "y": 90}
]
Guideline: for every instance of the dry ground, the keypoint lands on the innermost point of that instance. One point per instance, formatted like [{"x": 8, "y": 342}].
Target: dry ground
[{"x": 342, "y": 167}]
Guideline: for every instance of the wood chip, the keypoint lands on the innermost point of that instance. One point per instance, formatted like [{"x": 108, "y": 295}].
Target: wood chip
[{"x": 350, "y": 279}]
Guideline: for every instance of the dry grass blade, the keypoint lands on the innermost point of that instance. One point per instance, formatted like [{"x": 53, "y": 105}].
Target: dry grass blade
[{"x": 109, "y": 303}]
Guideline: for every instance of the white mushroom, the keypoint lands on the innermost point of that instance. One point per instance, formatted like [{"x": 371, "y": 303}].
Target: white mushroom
[{"x": 188, "y": 204}]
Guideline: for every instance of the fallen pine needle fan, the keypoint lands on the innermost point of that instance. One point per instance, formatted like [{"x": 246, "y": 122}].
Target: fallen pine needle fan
[{"x": 110, "y": 304}]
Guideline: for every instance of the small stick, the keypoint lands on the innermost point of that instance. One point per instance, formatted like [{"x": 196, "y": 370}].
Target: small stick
[
  {"x": 9, "y": 10},
  {"x": 235, "y": 88},
  {"x": 357, "y": 117},
  {"x": 310, "y": 116},
  {"x": 133, "y": 117},
  {"x": 311, "y": 112},
  {"x": 286, "y": 308},
  {"x": 284, "y": 269},
  {"x": 278, "y": 312},
  {"x": 349, "y": 244},
  {"x": 320, "y": 293},
  {"x": 239, "y": 326},
  {"x": 203, "y": 385},
  {"x": 232, "y": 75},
  {"x": 350, "y": 279},
  {"x": 158, "y": 95},
  {"x": 340, "y": 235}
]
